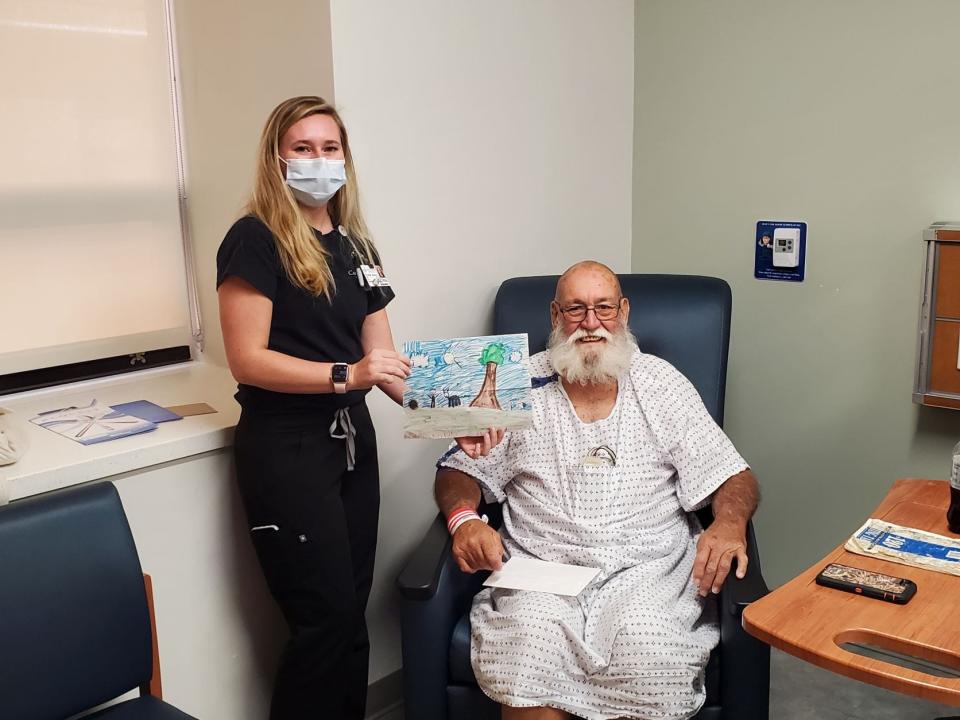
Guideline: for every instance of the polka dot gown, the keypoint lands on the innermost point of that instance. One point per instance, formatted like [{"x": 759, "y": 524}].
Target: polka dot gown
[{"x": 635, "y": 642}]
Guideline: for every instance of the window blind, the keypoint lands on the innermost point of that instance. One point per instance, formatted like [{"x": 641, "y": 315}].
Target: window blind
[{"x": 92, "y": 259}]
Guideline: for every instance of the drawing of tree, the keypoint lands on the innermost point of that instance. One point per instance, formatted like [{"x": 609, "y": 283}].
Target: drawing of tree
[{"x": 492, "y": 355}]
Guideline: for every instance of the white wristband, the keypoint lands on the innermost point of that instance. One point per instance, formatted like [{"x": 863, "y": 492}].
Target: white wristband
[{"x": 459, "y": 518}]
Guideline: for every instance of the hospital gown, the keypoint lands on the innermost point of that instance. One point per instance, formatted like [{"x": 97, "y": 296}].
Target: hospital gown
[{"x": 636, "y": 641}]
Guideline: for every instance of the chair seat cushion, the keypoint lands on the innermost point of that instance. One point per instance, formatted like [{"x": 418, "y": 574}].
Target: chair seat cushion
[
  {"x": 709, "y": 712},
  {"x": 461, "y": 672},
  {"x": 469, "y": 703},
  {"x": 142, "y": 708}
]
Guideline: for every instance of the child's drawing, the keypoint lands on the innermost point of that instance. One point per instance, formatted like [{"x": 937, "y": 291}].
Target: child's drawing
[{"x": 462, "y": 386}]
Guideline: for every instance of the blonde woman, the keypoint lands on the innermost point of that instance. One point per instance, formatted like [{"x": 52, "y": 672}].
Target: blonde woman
[{"x": 307, "y": 336}]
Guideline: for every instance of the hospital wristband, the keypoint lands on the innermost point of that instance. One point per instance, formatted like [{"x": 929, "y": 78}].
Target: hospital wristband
[{"x": 460, "y": 516}]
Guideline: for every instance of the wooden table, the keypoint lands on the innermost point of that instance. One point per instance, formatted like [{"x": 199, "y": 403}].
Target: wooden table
[{"x": 811, "y": 622}]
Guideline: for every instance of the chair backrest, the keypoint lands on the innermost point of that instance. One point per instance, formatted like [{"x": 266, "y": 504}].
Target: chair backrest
[
  {"x": 684, "y": 319},
  {"x": 74, "y": 623}
]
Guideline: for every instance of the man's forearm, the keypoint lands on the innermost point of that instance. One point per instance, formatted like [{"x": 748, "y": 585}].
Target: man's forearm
[
  {"x": 454, "y": 489},
  {"x": 736, "y": 500}
]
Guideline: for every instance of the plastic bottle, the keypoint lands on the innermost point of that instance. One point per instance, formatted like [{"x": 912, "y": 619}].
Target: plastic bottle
[{"x": 953, "y": 513}]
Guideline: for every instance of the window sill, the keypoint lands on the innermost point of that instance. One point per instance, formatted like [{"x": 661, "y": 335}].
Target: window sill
[{"x": 53, "y": 461}]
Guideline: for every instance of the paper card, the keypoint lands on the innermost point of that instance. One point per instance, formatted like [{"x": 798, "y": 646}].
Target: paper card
[
  {"x": 191, "y": 409},
  {"x": 146, "y": 410},
  {"x": 462, "y": 386},
  {"x": 541, "y": 576}
]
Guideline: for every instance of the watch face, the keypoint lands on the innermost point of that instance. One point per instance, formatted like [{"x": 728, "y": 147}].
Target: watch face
[{"x": 339, "y": 373}]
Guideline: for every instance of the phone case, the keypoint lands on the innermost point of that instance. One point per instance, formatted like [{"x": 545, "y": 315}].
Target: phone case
[{"x": 865, "y": 582}]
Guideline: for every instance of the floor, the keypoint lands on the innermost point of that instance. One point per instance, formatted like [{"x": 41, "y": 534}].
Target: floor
[{"x": 800, "y": 691}]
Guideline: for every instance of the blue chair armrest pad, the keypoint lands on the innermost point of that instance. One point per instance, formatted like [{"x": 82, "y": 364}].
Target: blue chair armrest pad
[
  {"x": 736, "y": 593},
  {"x": 421, "y": 575}
]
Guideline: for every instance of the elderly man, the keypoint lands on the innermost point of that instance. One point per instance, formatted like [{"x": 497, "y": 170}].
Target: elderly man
[{"x": 620, "y": 451}]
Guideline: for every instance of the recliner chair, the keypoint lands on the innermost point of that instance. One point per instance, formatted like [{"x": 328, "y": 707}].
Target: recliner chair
[
  {"x": 684, "y": 320},
  {"x": 75, "y": 625}
]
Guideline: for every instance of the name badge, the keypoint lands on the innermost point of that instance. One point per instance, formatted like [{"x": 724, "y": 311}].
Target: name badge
[{"x": 374, "y": 276}]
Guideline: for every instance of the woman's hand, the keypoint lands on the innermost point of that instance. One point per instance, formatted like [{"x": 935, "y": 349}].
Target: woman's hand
[
  {"x": 476, "y": 446},
  {"x": 378, "y": 366}
]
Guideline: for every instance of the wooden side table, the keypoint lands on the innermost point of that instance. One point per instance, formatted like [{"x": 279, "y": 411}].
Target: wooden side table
[{"x": 871, "y": 640}]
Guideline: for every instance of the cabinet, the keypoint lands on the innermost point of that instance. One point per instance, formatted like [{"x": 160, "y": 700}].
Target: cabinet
[{"x": 938, "y": 359}]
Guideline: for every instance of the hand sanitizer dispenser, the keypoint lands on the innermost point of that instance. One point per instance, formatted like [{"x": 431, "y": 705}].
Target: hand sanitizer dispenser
[{"x": 786, "y": 247}]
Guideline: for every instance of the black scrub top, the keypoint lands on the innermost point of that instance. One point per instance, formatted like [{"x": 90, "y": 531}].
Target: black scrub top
[{"x": 302, "y": 325}]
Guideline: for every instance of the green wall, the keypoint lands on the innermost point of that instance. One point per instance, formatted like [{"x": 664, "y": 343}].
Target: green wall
[{"x": 845, "y": 115}]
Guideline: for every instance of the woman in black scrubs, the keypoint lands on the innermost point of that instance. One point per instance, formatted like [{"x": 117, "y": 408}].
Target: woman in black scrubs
[{"x": 307, "y": 336}]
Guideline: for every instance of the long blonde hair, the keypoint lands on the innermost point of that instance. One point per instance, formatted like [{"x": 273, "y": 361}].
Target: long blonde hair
[{"x": 304, "y": 259}]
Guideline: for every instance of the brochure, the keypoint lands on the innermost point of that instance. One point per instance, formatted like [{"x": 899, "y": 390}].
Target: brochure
[
  {"x": 907, "y": 546},
  {"x": 93, "y": 423}
]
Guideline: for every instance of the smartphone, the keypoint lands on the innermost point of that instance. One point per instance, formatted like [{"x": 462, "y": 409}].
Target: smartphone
[{"x": 864, "y": 582}]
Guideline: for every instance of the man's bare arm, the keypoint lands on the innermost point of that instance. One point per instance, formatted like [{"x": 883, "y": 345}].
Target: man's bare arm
[
  {"x": 734, "y": 503},
  {"x": 736, "y": 500},
  {"x": 455, "y": 489},
  {"x": 476, "y": 545}
]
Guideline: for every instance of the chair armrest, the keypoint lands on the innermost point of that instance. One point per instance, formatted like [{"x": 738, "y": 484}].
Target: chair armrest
[
  {"x": 154, "y": 686},
  {"x": 434, "y": 596},
  {"x": 737, "y": 593},
  {"x": 744, "y": 660},
  {"x": 421, "y": 575}
]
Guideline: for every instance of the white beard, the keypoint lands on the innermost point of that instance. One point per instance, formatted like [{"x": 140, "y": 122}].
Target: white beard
[{"x": 591, "y": 364}]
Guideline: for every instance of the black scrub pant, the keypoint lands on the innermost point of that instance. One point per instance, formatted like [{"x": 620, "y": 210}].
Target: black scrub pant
[{"x": 314, "y": 527}]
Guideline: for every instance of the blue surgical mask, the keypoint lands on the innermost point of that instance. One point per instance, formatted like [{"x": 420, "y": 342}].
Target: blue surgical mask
[{"x": 315, "y": 180}]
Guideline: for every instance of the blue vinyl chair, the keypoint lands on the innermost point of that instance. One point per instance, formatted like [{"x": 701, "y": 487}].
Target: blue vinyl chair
[
  {"x": 684, "y": 320},
  {"x": 76, "y": 627}
]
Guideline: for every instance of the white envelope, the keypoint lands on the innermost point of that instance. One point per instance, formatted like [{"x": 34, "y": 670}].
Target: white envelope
[{"x": 557, "y": 578}]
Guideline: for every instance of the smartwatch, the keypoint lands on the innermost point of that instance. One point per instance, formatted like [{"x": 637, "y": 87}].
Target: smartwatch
[{"x": 339, "y": 374}]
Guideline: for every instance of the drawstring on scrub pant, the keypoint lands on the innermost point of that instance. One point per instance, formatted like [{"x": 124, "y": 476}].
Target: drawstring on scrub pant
[{"x": 349, "y": 433}]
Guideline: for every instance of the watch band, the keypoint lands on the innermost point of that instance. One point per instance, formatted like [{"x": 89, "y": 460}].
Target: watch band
[{"x": 340, "y": 376}]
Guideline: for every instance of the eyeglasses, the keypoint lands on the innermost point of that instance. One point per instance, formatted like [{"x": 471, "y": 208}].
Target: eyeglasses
[{"x": 578, "y": 313}]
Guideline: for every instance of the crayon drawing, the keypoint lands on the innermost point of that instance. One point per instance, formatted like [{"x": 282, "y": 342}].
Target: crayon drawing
[{"x": 462, "y": 386}]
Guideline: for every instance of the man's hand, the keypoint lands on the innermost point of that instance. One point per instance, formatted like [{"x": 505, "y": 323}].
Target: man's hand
[
  {"x": 480, "y": 445},
  {"x": 477, "y": 546},
  {"x": 726, "y": 538},
  {"x": 717, "y": 546}
]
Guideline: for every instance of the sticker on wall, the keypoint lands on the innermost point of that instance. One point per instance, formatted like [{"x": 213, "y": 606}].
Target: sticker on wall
[{"x": 781, "y": 250}]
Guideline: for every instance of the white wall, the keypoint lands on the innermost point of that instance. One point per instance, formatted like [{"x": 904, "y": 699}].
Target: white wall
[
  {"x": 492, "y": 139},
  {"x": 842, "y": 114}
]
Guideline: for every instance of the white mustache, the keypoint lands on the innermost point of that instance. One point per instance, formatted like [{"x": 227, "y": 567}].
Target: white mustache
[{"x": 600, "y": 332}]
